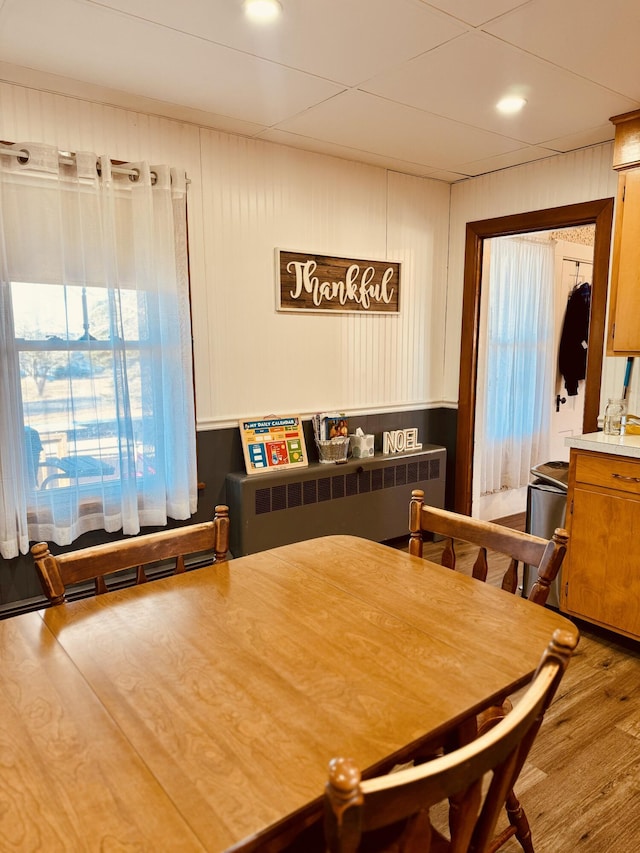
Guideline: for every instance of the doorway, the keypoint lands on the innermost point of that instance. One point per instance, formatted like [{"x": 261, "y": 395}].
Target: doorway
[
  {"x": 598, "y": 213},
  {"x": 527, "y": 285}
]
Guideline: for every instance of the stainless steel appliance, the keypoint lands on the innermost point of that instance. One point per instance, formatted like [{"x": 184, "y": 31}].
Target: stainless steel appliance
[{"x": 546, "y": 510}]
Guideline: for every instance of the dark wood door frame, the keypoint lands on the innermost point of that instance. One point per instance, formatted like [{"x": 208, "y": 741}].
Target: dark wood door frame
[{"x": 599, "y": 213}]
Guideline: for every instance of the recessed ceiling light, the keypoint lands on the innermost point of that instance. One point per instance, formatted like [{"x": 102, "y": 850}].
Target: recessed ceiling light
[
  {"x": 262, "y": 10},
  {"x": 511, "y": 104}
]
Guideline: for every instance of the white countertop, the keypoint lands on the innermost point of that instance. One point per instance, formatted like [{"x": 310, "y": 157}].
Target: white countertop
[{"x": 619, "y": 445}]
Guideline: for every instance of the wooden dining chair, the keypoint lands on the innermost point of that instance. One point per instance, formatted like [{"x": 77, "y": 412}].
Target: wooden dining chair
[
  {"x": 56, "y": 573},
  {"x": 493, "y": 540},
  {"x": 391, "y": 812},
  {"x": 544, "y": 556}
]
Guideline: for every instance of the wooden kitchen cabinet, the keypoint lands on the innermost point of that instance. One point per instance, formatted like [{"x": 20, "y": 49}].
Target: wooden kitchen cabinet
[
  {"x": 601, "y": 572},
  {"x": 623, "y": 336}
]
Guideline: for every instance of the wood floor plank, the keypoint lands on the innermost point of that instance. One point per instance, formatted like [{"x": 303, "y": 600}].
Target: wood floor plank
[
  {"x": 590, "y": 799},
  {"x": 631, "y": 727}
]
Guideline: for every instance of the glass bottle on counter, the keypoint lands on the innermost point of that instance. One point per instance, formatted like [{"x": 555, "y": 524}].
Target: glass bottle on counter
[{"x": 613, "y": 415}]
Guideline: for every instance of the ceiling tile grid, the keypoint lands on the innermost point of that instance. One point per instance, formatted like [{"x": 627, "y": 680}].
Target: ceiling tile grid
[{"x": 408, "y": 85}]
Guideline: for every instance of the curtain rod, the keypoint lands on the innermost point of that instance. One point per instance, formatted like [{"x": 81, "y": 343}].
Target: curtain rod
[{"x": 68, "y": 159}]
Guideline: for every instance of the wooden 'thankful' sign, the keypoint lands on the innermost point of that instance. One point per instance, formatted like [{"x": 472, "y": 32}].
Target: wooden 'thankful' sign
[{"x": 320, "y": 283}]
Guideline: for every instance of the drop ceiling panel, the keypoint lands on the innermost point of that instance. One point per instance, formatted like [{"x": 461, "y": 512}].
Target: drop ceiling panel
[
  {"x": 594, "y": 136},
  {"x": 307, "y": 143},
  {"x": 358, "y": 120},
  {"x": 593, "y": 38},
  {"x": 476, "y": 12},
  {"x": 475, "y": 71},
  {"x": 154, "y": 61},
  {"x": 504, "y": 161},
  {"x": 341, "y": 41}
]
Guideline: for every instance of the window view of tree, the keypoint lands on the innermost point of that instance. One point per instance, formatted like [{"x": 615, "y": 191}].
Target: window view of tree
[{"x": 67, "y": 374}]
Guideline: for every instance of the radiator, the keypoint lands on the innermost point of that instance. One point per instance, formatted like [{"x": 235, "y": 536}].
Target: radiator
[{"x": 362, "y": 497}]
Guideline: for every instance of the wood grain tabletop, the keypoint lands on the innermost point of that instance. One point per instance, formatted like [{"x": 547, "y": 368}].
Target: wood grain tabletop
[{"x": 176, "y": 711}]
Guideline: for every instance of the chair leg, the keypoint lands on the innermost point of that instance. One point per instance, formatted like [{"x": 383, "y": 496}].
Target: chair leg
[
  {"x": 518, "y": 819},
  {"x": 518, "y": 823}
]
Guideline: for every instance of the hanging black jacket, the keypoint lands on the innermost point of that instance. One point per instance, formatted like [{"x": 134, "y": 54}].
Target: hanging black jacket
[{"x": 572, "y": 353}]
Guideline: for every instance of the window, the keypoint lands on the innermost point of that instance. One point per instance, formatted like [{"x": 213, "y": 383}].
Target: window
[
  {"x": 96, "y": 390},
  {"x": 67, "y": 384}
]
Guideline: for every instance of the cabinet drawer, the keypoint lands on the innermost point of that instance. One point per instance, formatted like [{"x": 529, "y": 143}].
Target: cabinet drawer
[{"x": 610, "y": 472}]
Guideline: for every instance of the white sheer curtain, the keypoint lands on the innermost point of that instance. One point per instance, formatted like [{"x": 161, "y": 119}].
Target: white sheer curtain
[
  {"x": 518, "y": 378},
  {"x": 97, "y": 426}
]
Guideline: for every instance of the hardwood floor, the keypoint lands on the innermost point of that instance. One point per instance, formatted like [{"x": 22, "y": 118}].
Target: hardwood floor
[{"x": 581, "y": 785}]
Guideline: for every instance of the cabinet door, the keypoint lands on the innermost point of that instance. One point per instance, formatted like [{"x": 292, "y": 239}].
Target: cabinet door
[
  {"x": 603, "y": 582},
  {"x": 624, "y": 321}
]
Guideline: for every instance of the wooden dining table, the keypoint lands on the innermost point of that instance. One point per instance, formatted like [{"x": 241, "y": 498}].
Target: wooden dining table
[{"x": 200, "y": 711}]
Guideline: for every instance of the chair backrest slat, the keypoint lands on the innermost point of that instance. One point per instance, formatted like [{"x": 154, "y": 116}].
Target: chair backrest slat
[
  {"x": 544, "y": 555},
  {"x": 58, "y": 572}
]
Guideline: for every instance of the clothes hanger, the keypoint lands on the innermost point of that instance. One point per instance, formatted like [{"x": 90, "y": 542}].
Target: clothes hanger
[{"x": 577, "y": 283}]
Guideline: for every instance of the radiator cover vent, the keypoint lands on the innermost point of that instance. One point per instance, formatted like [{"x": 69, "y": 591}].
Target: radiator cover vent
[
  {"x": 368, "y": 498},
  {"x": 276, "y": 498}
]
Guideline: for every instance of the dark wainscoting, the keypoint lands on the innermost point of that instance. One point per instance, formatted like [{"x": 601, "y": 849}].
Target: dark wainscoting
[{"x": 219, "y": 453}]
